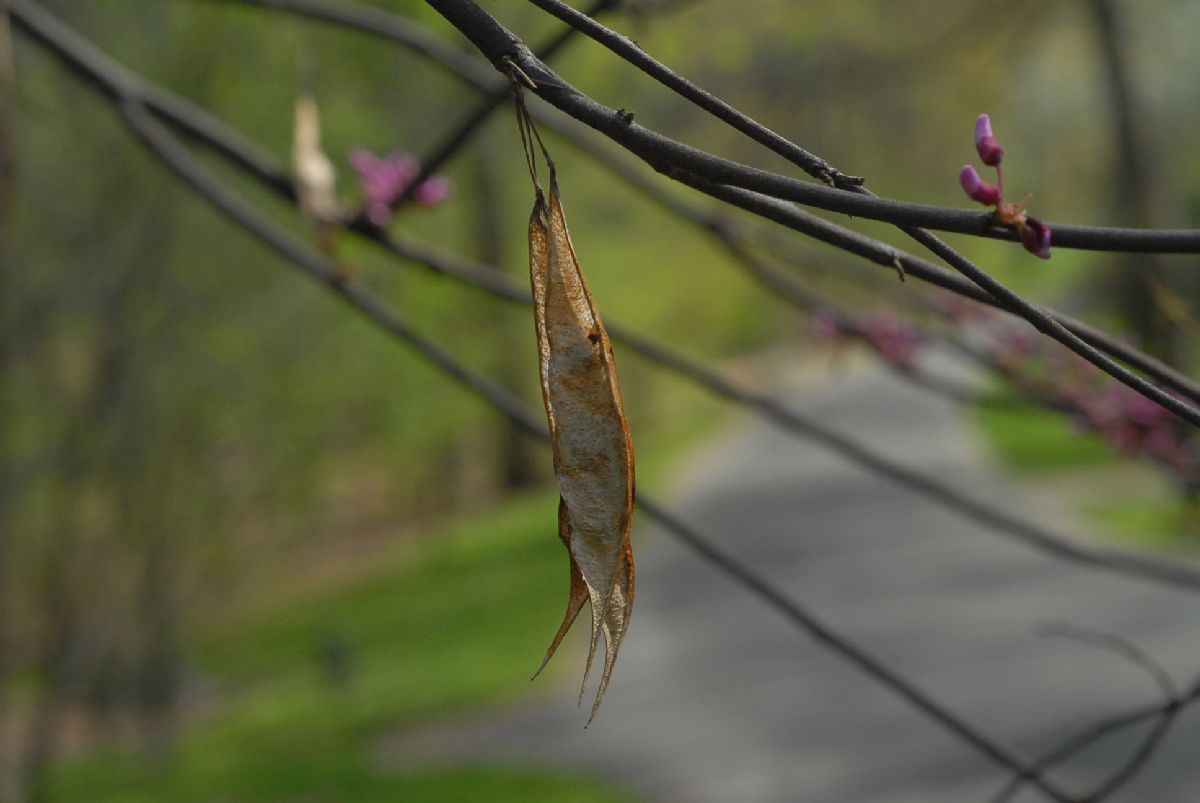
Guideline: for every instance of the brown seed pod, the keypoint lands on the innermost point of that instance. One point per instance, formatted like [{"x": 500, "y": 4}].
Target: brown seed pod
[{"x": 593, "y": 454}]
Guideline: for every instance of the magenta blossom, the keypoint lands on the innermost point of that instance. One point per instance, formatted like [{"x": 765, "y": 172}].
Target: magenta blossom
[
  {"x": 895, "y": 340},
  {"x": 1035, "y": 236},
  {"x": 989, "y": 149},
  {"x": 1162, "y": 443},
  {"x": 1142, "y": 411},
  {"x": 977, "y": 188},
  {"x": 385, "y": 179}
]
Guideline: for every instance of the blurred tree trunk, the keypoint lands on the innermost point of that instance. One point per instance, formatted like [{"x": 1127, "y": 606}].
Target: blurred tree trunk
[
  {"x": 8, "y": 149},
  {"x": 160, "y": 666},
  {"x": 8, "y": 785},
  {"x": 72, "y": 588},
  {"x": 1141, "y": 194}
]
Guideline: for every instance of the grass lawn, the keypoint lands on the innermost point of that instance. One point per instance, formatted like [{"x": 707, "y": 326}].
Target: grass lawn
[
  {"x": 1153, "y": 524},
  {"x": 456, "y": 619},
  {"x": 1028, "y": 438},
  {"x": 461, "y": 623},
  {"x": 1128, "y": 500}
]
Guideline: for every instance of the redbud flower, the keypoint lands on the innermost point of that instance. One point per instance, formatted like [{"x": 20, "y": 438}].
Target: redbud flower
[
  {"x": 1143, "y": 412},
  {"x": 1162, "y": 443},
  {"x": 1035, "y": 236},
  {"x": 432, "y": 191},
  {"x": 384, "y": 180},
  {"x": 989, "y": 150},
  {"x": 893, "y": 338},
  {"x": 977, "y": 188}
]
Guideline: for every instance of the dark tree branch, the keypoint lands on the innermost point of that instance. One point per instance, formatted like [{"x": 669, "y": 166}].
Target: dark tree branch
[
  {"x": 398, "y": 30},
  {"x": 471, "y": 123},
  {"x": 496, "y": 42},
  {"x": 677, "y": 160},
  {"x": 403, "y": 32},
  {"x": 886, "y": 256},
  {"x": 98, "y": 70},
  {"x": 632, "y": 52},
  {"x": 1163, "y": 715}
]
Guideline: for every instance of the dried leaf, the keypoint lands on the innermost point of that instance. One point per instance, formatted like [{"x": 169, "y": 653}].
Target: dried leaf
[
  {"x": 593, "y": 454},
  {"x": 316, "y": 176}
]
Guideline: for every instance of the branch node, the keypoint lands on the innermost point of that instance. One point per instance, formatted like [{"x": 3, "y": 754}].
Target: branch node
[{"x": 508, "y": 65}]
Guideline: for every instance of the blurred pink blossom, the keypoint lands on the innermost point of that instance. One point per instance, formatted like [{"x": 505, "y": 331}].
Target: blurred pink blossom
[
  {"x": 384, "y": 180},
  {"x": 895, "y": 339}
]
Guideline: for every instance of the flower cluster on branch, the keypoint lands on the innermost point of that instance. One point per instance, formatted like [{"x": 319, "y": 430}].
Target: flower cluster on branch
[{"x": 1035, "y": 235}]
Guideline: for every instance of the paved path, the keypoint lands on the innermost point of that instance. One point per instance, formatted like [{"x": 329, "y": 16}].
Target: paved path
[{"x": 716, "y": 698}]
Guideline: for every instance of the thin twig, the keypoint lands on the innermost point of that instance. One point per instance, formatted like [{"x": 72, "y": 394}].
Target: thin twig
[
  {"x": 1163, "y": 713},
  {"x": 1110, "y": 642}
]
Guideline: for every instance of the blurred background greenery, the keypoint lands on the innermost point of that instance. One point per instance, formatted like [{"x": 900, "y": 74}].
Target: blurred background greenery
[{"x": 241, "y": 532}]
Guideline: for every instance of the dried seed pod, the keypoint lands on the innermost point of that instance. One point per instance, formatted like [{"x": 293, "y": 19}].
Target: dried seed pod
[{"x": 593, "y": 454}]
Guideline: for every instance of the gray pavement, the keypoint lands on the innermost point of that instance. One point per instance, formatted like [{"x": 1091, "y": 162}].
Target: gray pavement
[{"x": 717, "y": 698}]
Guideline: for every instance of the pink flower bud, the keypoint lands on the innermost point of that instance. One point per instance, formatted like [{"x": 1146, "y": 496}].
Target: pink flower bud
[
  {"x": 989, "y": 150},
  {"x": 977, "y": 188},
  {"x": 1035, "y": 236}
]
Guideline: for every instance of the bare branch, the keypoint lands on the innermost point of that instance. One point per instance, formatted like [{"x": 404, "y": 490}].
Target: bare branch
[
  {"x": 1163, "y": 714},
  {"x": 463, "y": 132},
  {"x": 1161, "y": 241},
  {"x": 678, "y": 160},
  {"x": 404, "y": 32}
]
